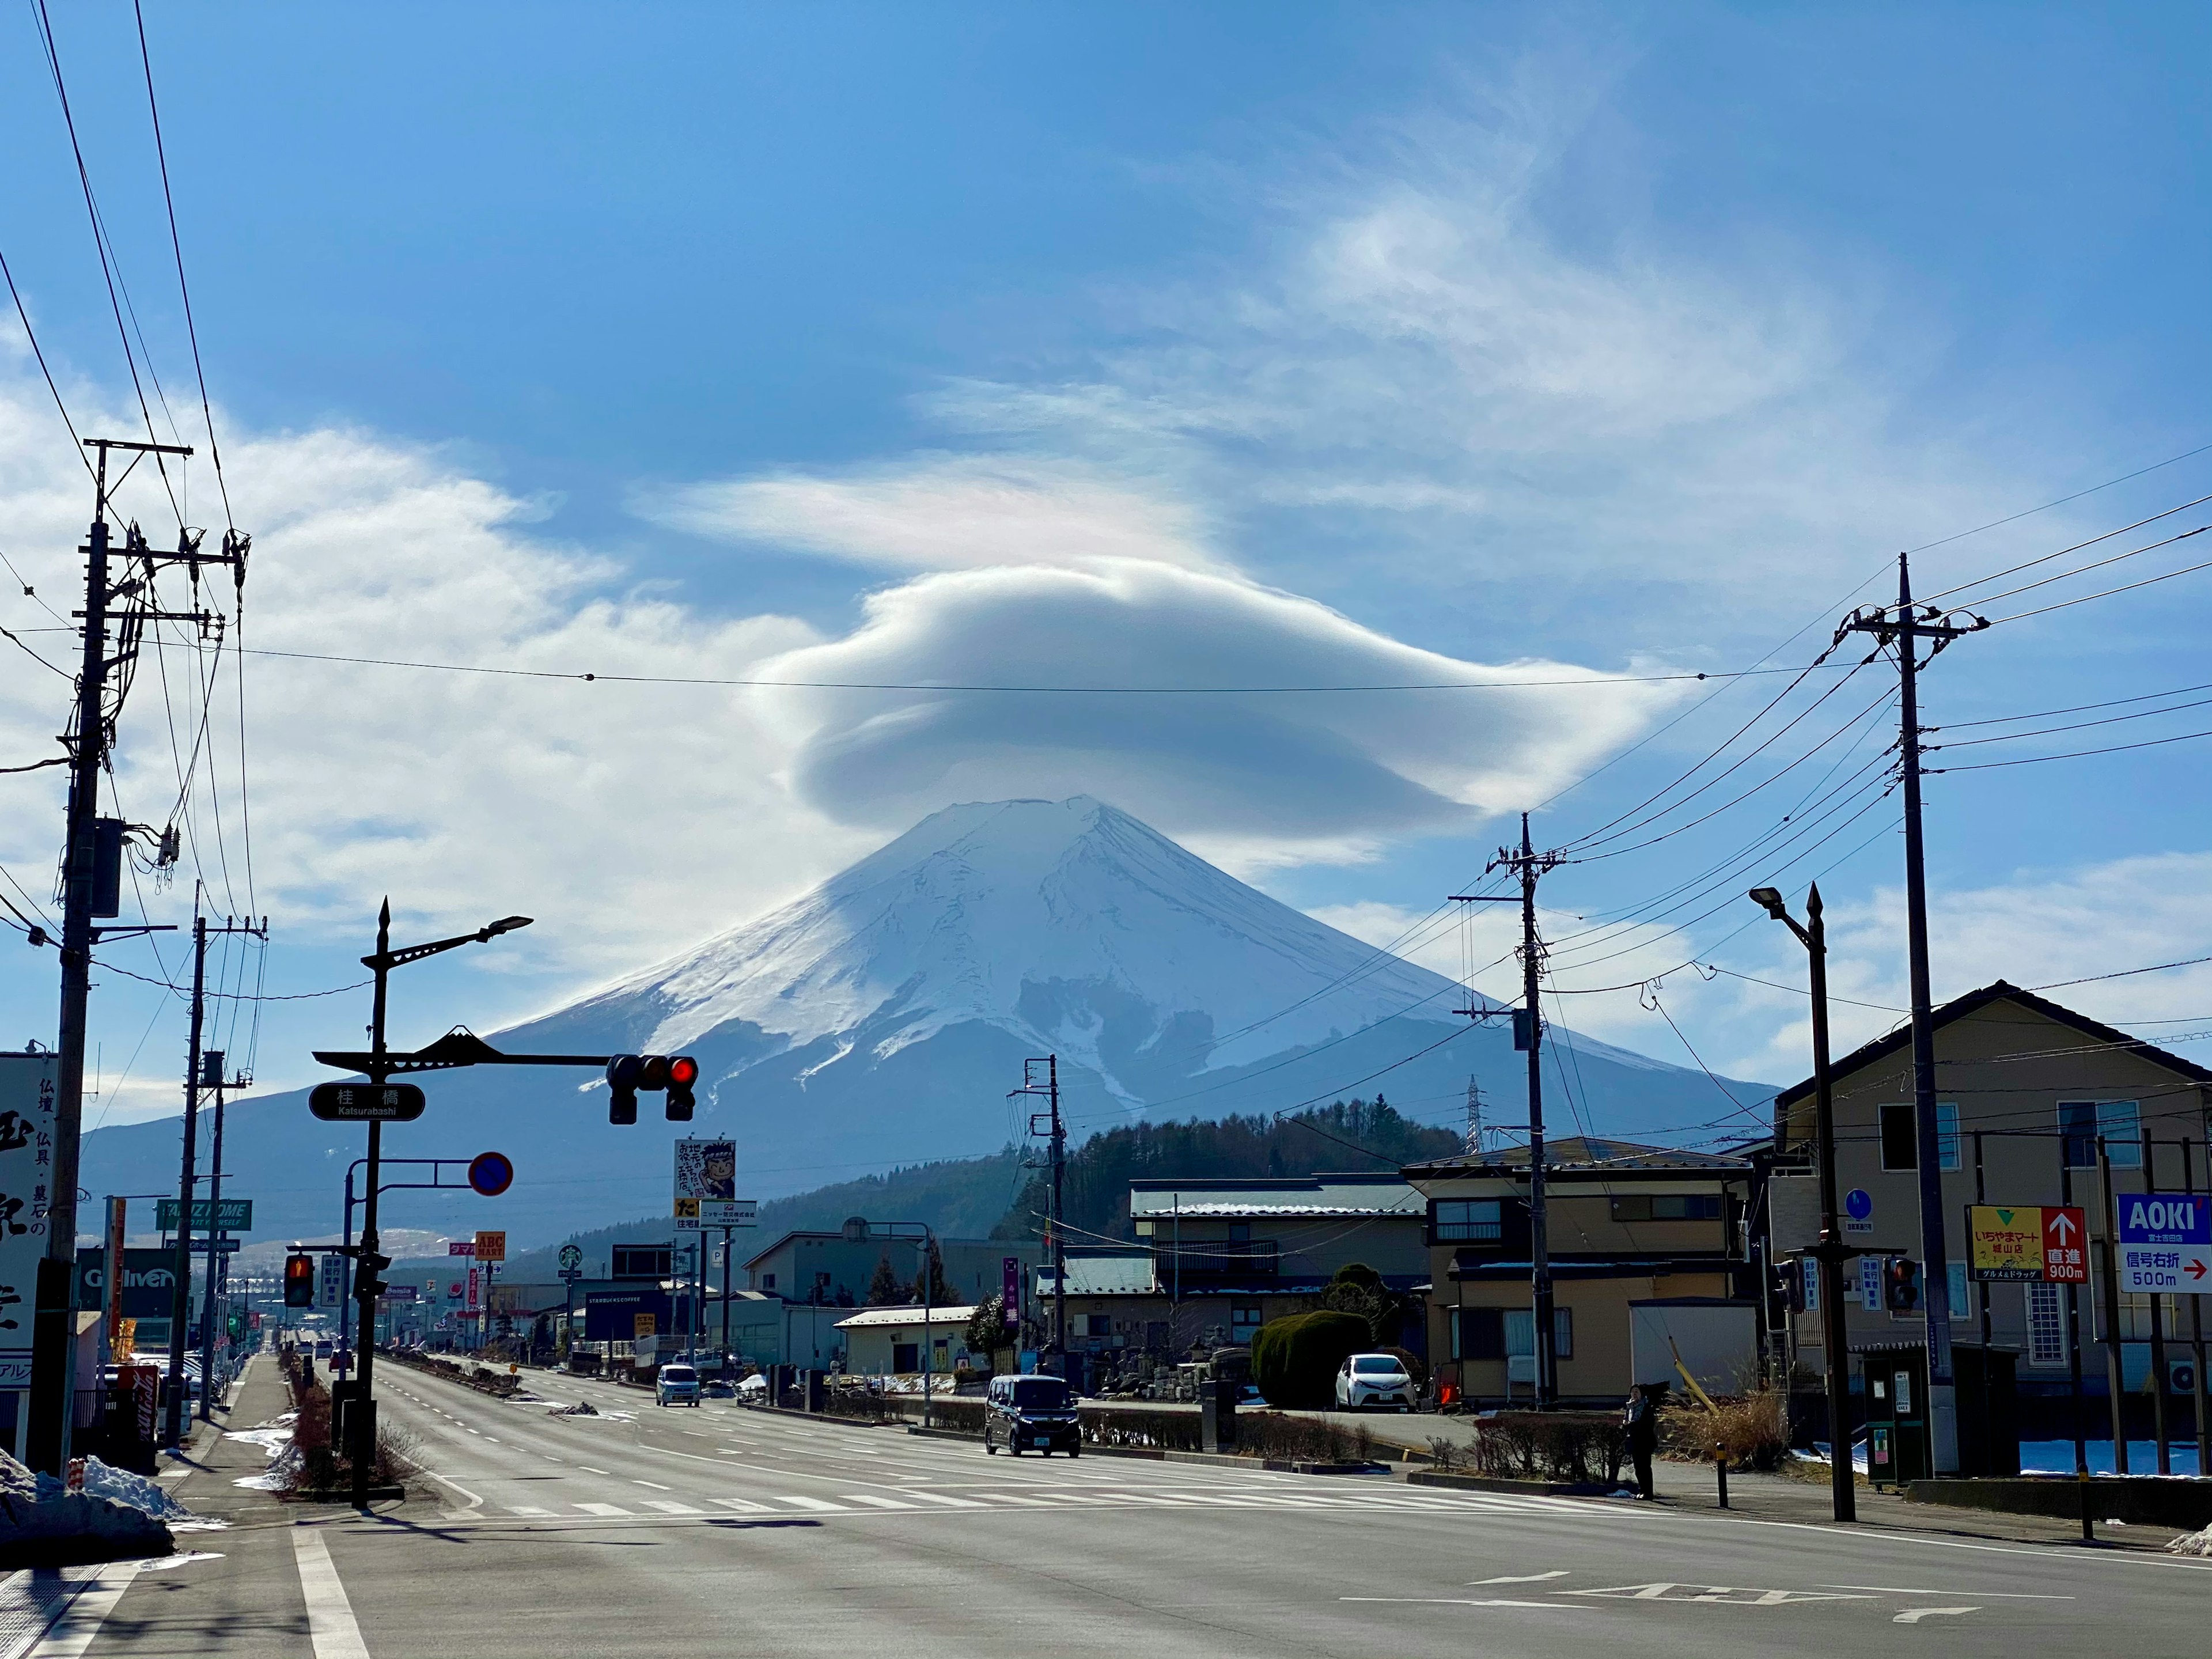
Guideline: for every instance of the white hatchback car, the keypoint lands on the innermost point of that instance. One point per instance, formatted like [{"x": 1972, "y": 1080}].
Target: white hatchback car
[{"x": 1368, "y": 1380}]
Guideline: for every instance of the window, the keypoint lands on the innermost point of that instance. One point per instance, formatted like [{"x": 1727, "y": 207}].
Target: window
[
  {"x": 1244, "y": 1321},
  {"x": 1668, "y": 1206},
  {"x": 2046, "y": 1329},
  {"x": 2120, "y": 1122},
  {"x": 1240, "y": 1232},
  {"x": 1521, "y": 1332},
  {"x": 1469, "y": 1220},
  {"x": 1900, "y": 1137},
  {"x": 906, "y": 1357},
  {"x": 768, "y": 1281},
  {"x": 1478, "y": 1333},
  {"x": 1098, "y": 1324}
]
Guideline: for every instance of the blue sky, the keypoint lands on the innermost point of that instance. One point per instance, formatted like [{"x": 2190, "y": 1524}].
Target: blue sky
[{"x": 1325, "y": 344}]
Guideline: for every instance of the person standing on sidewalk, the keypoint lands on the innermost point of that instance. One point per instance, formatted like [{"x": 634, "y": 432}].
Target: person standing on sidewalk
[{"x": 1641, "y": 1420}]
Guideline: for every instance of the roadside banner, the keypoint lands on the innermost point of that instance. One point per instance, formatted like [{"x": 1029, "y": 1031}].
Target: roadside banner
[
  {"x": 2040, "y": 1243},
  {"x": 1010, "y": 1291},
  {"x": 27, "y": 1158},
  {"x": 707, "y": 1184},
  {"x": 2166, "y": 1243}
]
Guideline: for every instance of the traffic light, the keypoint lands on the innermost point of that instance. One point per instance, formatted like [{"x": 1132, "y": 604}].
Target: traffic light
[
  {"x": 627, "y": 1074},
  {"x": 366, "y": 1268},
  {"x": 622, "y": 1088},
  {"x": 682, "y": 1072},
  {"x": 299, "y": 1281},
  {"x": 1900, "y": 1285}
]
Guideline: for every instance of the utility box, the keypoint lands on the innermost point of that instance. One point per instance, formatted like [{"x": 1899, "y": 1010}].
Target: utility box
[{"x": 1895, "y": 1378}]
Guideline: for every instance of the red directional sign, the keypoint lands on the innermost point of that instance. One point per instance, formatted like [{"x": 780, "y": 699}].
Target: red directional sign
[{"x": 2065, "y": 1247}]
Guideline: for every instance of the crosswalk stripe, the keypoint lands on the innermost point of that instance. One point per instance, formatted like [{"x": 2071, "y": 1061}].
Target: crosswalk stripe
[
  {"x": 812, "y": 1504},
  {"x": 667, "y": 1508},
  {"x": 939, "y": 1497},
  {"x": 745, "y": 1504},
  {"x": 876, "y": 1502},
  {"x": 610, "y": 1511},
  {"x": 526, "y": 1509}
]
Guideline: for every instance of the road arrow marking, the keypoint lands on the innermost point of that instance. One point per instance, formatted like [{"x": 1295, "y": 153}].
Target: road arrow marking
[
  {"x": 1521, "y": 1578},
  {"x": 1458, "y": 1602}
]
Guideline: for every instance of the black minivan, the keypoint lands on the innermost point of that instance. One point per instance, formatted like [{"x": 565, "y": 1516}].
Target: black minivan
[{"x": 1031, "y": 1413}]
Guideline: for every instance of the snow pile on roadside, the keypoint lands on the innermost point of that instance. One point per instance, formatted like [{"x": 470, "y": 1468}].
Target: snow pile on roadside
[
  {"x": 581, "y": 1408},
  {"x": 275, "y": 1440},
  {"x": 2191, "y": 1543},
  {"x": 42, "y": 1523},
  {"x": 121, "y": 1486}
]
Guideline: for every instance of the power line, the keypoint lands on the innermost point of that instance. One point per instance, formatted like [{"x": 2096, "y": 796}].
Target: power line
[
  {"x": 76, "y": 442},
  {"x": 2108, "y": 593},
  {"x": 2073, "y": 754},
  {"x": 2013, "y": 570}
]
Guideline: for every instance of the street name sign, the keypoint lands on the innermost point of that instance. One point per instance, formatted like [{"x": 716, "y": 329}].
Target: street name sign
[
  {"x": 2166, "y": 1243},
  {"x": 366, "y": 1103},
  {"x": 2044, "y": 1244}
]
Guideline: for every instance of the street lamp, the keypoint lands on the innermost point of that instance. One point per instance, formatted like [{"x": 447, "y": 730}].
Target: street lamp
[
  {"x": 928, "y": 1254},
  {"x": 1830, "y": 1252},
  {"x": 361, "y": 1410}
]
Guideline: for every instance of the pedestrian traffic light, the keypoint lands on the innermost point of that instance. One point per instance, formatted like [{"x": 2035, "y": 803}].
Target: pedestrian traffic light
[
  {"x": 682, "y": 1072},
  {"x": 1900, "y": 1285},
  {"x": 299, "y": 1281},
  {"x": 627, "y": 1074},
  {"x": 622, "y": 1073},
  {"x": 366, "y": 1268}
]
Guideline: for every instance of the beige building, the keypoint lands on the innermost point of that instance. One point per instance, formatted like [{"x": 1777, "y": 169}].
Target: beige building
[
  {"x": 891, "y": 1341},
  {"x": 2025, "y": 1087},
  {"x": 1632, "y": 1228}
]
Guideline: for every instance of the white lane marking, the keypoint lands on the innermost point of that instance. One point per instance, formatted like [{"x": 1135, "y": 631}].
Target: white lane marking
[
  {"x": 655, "y": 1485},
  {"x": 330, "y": 1627},
  {"x": 80, "y": 1617},
  {"x": 526, "y": 1509},
  {"x": 745, "y": 1504},
  {"x": 667, "y": 1508},
  {"x": 474, "y": 1502},
  {"x": 1991, "y": 1595},
  {"x": 493, "y": 1439},
  {"x": 588, "y": 1469},
  {"x": 612, "y": 1511},
  {"x": 812, "y": 1504},
  {"x": 549, "y": 1457},
  {"x": 1919, "y": 1614},
  {"x": 1459, "y": 1601},
  {"x": 1523, "y": 1577},
  {"x": 879, "y": 1503},
  {"x": 939, "y": 1497}
]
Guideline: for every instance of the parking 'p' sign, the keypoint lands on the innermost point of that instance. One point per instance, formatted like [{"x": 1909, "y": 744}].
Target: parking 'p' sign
[{"x": 491, "y": 1173}]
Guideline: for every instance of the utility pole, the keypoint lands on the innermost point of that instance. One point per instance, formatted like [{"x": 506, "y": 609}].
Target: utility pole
[
  {"x": 1055, "y": 1239},
  {"x": 1528, "y": 866},
  {"x": 197, "y": 1077},
  {"x": 91, "y": 866},
  {"x": 1902, "y": 627}
]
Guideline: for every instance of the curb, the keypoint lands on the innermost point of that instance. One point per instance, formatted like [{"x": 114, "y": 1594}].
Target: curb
[
  {"x": 1525, "y": 1488},
  {"x": 1157, "y": 1455}
]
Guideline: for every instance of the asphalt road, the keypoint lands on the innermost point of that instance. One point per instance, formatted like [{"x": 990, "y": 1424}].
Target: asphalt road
[{"x": 652, "y": 1531}]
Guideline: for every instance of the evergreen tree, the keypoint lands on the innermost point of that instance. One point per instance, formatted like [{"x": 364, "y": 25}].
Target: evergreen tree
[
  {"x": 885, "y": 1290},
  {"x": 941, "y": 1293}
]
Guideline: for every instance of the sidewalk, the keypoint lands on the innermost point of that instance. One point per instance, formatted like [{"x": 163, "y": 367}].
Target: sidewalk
[
  {"x": 1796, "y": 1500},
  {"x": 213, "y": 1463}
]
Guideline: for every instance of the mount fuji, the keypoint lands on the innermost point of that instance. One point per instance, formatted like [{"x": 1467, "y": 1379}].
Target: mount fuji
[{"x": 883, "y": 1018}]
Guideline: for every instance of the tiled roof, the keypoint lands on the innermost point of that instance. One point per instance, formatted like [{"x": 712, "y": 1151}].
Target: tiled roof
[
  {"x": 1356, "y": 1194},
  {"x": 871, "y": 1318},
  {"x": 1588, "y": 1153}
]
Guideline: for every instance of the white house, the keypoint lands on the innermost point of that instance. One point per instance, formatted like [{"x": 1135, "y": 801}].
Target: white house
[{"x": 890, "y": 1341}]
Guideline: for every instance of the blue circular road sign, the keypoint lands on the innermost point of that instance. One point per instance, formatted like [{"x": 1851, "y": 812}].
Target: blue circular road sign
[
  {"x": 491, "y": 1173},
  {"x": 1858, "y": 1203}
]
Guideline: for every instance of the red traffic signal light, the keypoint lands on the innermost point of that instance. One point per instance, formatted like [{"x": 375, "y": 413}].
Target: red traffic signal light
[
  {"x": 299, "y": 1281},
  {"x": 629, "y": 1073},
  {"x": 1900, "y": 1283}
]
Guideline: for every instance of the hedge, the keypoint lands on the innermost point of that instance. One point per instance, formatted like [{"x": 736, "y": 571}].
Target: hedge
[{"x": 1294, "y": 1359}]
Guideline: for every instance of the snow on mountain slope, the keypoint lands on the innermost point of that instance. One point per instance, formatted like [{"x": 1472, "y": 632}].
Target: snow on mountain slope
[{"x": 951, "y": 921}]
